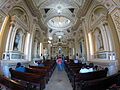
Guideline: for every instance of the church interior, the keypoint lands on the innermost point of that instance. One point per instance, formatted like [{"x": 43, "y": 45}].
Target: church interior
[{"x": 61, "y": 44}]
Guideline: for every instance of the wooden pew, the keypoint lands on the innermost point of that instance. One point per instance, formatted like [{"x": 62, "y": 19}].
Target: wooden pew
[
  {"x": 11, "y": 84},
  {"x": 42, "y": 72},
  {"x": 47, "y": 68},
  {"x": 77, "y": 77},
  {"x": 51, "y": 63},
  {"x": 100, "y": 84},
  {"x": 28, "y": 78}
]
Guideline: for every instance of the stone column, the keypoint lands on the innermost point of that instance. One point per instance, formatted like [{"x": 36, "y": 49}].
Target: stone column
[
  {"x": 70, "y": 50},
  {"x": 104, "y": 37},
  {"x": 12, "y": 39},
  {"x": 13, "y": 34},
  {"x": 87, "y": 45},
  {"x": 35, "y": 48},
  {"x": 77, "y": 45},
  {"x": 91, "y": 46},
  {"x": 83, "y": 47},
  {"x": 12, "y": 25},
  {"x": 23, "y": 42},
  {"x": 38, "y": 48},
  {"x": 108, "y": 36},
  {"x": 49, "y": 51},
  {"x": 26, "y": 45},
  {"x": 31, "y": 45}
]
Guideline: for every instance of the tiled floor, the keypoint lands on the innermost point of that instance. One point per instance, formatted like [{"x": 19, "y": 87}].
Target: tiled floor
[{"x": 59, "y": 81}]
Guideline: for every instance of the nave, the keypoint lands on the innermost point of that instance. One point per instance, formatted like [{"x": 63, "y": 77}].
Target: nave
[
  {"x": 59, "y": 81},
  {"x": 40, "y": 30}
]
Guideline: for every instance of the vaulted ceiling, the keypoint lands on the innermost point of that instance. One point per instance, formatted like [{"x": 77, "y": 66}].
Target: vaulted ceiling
[{"x": 59, "y": 18}]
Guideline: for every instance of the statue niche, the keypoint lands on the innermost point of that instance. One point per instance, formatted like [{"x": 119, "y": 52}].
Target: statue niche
[
  {"x": 98, "y": 40},
  {"x": 16, "y": 42}
]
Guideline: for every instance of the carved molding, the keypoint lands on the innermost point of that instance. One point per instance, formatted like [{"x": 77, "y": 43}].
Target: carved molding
[
  {"x": 85, "y": 8},
  {"x": 20, "y": 23},
  {"x": 116, "y": 19}
]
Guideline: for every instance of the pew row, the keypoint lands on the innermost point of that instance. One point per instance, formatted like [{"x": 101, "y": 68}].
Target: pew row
[
  {"x": 89, "y": 76},
  {"x": 42, "y": 72},
  {"x": 75, "y": 77},
  {"x": 29, "y": 79},
  {"x": 11, "y": 84},
  {"x": 46, "y": 68},
  {"x": 107, "y": 83}
]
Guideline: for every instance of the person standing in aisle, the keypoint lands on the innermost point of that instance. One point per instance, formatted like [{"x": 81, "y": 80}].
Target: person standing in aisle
[
  {"x": 59, "y": 63},
  {"x": 63, "y": 59}
]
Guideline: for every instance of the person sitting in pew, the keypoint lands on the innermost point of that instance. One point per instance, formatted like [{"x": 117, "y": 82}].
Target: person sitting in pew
[
  {"x": 35, "y": 63},
  {"x": 91, "y": 67},
  {"x": 76, "y": 59},
  {"x": 97, "y": 68},
  {"x": 85, "y": 69},
  {"x": 40, "y": 63},
  {"x": 19, "y": 67}
]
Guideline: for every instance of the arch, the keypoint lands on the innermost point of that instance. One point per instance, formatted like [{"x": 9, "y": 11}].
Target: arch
[
  {"x": 95, "y": 13},
  {"x": 21, "y": 13}
]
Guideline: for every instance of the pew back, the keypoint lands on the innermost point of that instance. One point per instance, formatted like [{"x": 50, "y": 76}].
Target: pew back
[
  {"x": 92, "y": 75},
  {"x": 11, "y": 84},
  {"x": 28, "y": 78},
  {"x": 100, "y": 84}
]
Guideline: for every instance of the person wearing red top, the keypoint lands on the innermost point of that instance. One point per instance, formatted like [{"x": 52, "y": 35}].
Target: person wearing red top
[{"x": 59, "y": 63}]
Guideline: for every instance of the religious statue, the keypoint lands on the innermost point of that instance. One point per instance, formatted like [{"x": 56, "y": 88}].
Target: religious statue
[
  {"x": 16, "y": 43},
  {"x": 100, "y": 42}
]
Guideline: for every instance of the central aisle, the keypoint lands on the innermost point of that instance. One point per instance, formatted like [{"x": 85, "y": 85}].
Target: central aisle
[{"x": 59, "y": 81}]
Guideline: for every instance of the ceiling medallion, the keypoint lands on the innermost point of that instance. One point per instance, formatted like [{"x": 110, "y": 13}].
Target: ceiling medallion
[{"x": 58, "y": 22}]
